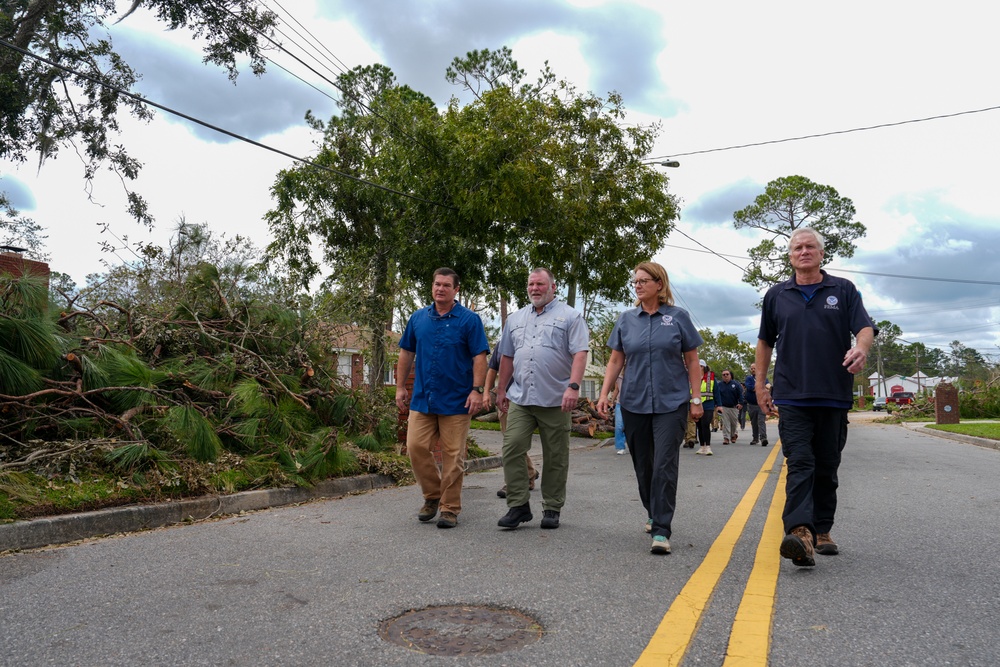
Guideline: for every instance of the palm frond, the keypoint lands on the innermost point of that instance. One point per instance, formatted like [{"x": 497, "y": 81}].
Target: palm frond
[
  {"x": 32, "y": 340},
  {"x": 250, "y": 399},
  {"x": 18, "y": 485},
  {"x": 16, "y": 377},
  {"x": 196, "y": 433},
  {"x": 138, "y": 455}
]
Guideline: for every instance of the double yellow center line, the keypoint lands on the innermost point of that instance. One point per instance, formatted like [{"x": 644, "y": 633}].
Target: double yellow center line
[{"x": 749, "y": 641}]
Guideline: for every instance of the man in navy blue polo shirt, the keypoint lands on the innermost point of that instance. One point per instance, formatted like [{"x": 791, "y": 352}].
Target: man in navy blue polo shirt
[
  {"x": 449, "y": 344},
  {"x": 809, "y": 320}
]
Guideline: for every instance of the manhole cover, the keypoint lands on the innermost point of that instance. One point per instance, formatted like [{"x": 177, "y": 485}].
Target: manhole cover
[{"x": 461, "y": 630}]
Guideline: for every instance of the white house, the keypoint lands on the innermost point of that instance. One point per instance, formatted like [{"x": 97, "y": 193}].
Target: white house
[{"x": 920, "y": 383}]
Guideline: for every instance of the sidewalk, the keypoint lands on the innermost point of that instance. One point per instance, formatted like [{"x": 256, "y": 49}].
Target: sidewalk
[{"x": 961, "y": 437}]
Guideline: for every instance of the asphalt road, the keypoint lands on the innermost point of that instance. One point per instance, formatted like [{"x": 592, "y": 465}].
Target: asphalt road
[{"x": 916, "y": 582}]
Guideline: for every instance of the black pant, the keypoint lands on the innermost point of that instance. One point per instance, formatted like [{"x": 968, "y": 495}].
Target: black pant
[
  {"x": 812, "y": 440},
  {"x": 705, "y": 425},
  {"x": 654, "y": 441},
  {"x": 758, "y": 422}
]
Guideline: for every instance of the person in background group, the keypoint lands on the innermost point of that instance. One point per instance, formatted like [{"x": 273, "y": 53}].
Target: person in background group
[
  {"x": 808, "y": 320},
  {"x": 657, "y": 345},
  {"x": 758, "y": 420},
  {"x": 709, "y": 399},
  {"x": 544, "y": 350},
  {"x": 491, "y": 379},
  {"x": 447, "y": 342},
  {"x": 619, "y": 422},
  {"x": 743, "y": 408},
  {"x": 730, "y": 401}
]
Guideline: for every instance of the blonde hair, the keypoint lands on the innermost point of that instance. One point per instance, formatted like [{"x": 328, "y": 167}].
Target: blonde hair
[{"x": 658, "y": 273}]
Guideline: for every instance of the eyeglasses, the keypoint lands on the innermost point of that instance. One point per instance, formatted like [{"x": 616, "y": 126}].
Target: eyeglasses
[{"x": 642, "y": 281}]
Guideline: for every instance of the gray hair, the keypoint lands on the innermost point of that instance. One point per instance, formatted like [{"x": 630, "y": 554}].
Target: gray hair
[{"x": 807, "y": 230}]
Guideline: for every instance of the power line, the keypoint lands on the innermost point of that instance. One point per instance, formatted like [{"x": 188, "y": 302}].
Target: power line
[
  {"x": 218, "y": 129},
  {"x": 316, "y": 41},
  {"x": 830, "y": 134},
  {"x": 346, "y": 94},
  {"x": 709, "y": 251}
]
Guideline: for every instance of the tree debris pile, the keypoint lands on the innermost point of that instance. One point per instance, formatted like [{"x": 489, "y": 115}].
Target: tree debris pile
[{"x": 172, "y": 391}]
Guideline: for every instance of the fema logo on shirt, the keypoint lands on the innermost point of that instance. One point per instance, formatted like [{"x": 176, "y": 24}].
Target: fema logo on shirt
[
  {"x": 831, "y": 303},
  {"x": 668, "y": 321}
]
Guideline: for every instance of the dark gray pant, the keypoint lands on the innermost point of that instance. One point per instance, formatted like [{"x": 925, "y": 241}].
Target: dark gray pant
[
  {"x": 758, "y": 422},
  {"x": 654, "y": 442},
  {"x": 812, "y": 440}
]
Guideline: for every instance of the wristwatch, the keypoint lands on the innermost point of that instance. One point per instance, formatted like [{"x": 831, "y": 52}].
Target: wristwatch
[
  {"x": 695, "y": 401},
  {"x": 480, "y": 389},
  {"x": 573, "y": 385}
]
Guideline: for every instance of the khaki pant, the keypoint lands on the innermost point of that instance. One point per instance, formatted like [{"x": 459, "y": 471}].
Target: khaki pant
[
  {"x": 423, "y": 431},
  {"x": 730, "y": 420}
]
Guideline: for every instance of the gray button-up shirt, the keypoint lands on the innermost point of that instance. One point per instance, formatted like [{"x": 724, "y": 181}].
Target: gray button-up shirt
[
  {"x": 542, "y": 346},
  {"x": 656, "y": 380}
]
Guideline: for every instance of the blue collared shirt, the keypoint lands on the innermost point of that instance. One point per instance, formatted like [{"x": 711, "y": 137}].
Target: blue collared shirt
[
  {"x": 444, "y": 347},
  {"x": 542, "y": 346},
  {"x": 656, "y": 380}
]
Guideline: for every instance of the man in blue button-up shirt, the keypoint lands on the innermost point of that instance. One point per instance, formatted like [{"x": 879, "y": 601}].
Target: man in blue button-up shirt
[
  {"x": 448, "y": 343},
  {"x": 544, "y": 350}
]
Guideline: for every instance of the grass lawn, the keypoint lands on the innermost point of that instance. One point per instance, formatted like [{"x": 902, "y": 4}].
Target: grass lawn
[{"x": 978, "y": 429}]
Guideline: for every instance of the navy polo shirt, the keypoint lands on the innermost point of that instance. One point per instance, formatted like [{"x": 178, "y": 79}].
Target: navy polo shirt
[
  {"x": 445, "y": 346},
  {"x": 655, "y": 381},
  {"x": 810, "y": 338}
]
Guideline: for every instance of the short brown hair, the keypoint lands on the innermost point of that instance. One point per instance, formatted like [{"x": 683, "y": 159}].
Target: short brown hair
[{"x": 445, "y": 271}]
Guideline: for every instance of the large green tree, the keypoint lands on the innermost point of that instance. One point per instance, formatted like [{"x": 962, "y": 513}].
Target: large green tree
[
  {"x": 371, "y": 240},
  {"x": 787, "y": 204},
  {"x": 557, "y": 177},
  {"x": 43, "y": 107},
  {"x": 723, "y": 351}
]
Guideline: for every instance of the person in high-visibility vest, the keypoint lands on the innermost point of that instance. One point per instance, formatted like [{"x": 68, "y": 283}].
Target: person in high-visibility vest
[{"x": 709, "y": 398}]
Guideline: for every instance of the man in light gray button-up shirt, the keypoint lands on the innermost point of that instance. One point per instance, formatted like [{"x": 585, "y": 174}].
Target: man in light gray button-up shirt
[{"x": 544, "y": 350}]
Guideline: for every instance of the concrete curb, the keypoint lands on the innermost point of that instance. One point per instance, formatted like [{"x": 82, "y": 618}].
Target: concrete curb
[
  {"x": 70, "y": 527},
  {"x": 921, "y": 427},
  {"x": 65, "y": 528}
]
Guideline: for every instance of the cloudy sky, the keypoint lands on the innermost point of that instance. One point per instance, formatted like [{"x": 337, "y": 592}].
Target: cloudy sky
[{"x": 716, "y": 75}]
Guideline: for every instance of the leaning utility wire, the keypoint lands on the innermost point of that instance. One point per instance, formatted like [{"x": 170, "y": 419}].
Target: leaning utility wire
[
  {"x": 346, "y": 94},
  {"x": 218, "y": 129},
  {"x": 830, "y": 134}
]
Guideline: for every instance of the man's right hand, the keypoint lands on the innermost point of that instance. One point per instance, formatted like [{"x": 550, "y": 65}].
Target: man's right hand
[
  {"x": 402, "y": 398},
  {"x": 502, "y": 402},
  {"x": 602, "y": 408}
]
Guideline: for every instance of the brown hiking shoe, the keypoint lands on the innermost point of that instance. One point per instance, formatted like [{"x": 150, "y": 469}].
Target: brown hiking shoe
[
  {"x": 429, "y": 510},
  {"x": 798, "y": 546},
  {"x": 825, "y": 545}
]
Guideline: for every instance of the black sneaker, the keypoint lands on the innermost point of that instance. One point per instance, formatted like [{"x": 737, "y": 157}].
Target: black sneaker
[
  {"x": 515, "y": 516},
  {"x": 550, "y": 519}
]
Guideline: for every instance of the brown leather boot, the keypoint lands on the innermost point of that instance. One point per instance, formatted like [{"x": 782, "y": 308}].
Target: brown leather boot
[
  {"x": 798, "y": 546},
  {"x": 825, "y": 545}
]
